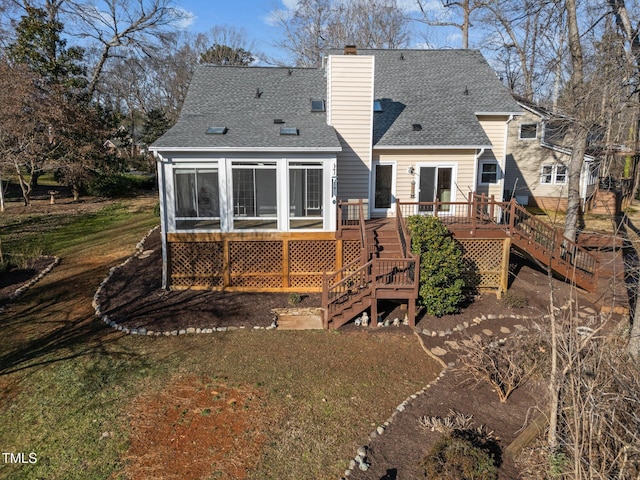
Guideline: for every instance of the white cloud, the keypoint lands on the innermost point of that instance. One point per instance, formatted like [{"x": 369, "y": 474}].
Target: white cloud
[{"x": 184, "y": 19}]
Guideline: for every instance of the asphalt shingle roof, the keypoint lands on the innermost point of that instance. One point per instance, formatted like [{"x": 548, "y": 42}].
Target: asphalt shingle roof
[
  {"x": 226, "y": 97},
  {"x": 442, "y": 90}
]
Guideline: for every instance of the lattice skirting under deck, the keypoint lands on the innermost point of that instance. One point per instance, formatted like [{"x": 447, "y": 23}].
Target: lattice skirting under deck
[
  {"x": 487, "y": 263},
  {"x": 285, "y": 264}
]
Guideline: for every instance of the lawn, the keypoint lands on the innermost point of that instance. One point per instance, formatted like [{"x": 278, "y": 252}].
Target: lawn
[{"x": 71, "y": 389}]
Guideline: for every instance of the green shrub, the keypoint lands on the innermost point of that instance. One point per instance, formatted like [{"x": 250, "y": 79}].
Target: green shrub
[
  {"x": 294, "y": 299},
  {"x": 119, "y": 185},
  {"x": 441, "y": 265},
  {"x": 453, "y": 457}
]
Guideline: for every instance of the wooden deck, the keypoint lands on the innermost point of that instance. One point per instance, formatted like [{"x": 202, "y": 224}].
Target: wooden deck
[{"x": 386, "y": 267}]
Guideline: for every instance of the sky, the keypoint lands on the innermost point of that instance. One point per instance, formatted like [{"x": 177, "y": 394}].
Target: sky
[
  {"x": 249, "y": 15},
  {"x": 254, "y": 16}
]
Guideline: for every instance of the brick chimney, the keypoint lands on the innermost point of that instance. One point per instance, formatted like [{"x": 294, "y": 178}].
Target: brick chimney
[{"x": 350, "y": 50}]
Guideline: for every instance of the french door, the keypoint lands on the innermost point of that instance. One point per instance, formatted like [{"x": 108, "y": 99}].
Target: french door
[{"x": 435, "y": 182}]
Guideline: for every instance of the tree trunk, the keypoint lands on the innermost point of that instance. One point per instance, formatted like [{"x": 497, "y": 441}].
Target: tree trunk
[
  {"x": 24, "y": 186},
  {"x": 1, "y": 201},
  {"x": 579, "y": 132},
  {"x": 554, "y": 380},
  {"x": 579, "y": 146}
]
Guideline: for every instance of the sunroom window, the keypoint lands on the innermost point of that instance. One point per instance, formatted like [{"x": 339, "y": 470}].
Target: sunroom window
[
  {"x": 197, "y": 198},
  {"x": 305, "y": 196},
  {"x": 255, "y": 204}
]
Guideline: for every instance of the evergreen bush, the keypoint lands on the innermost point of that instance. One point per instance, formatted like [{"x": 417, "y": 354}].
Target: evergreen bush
[
  {"x": 441, "y": 265},
  {"x": 454, "y": 457}
]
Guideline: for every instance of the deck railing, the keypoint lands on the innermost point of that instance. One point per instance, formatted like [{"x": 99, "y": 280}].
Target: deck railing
[{"x": 533, "y": 235}]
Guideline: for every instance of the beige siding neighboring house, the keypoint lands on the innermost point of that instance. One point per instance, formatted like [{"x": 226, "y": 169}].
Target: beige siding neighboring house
[{"x": 537, "y": 166}]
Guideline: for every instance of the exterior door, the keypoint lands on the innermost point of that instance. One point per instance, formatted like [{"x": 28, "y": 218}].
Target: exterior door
[
  {"x": 435, "y": 183},
  {"x": 383, "y": 188}
]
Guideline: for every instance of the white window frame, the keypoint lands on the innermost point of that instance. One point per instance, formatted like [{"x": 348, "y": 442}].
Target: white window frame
[
  {"x": 325, "y": 204},
  {"x": 271, "y": 164},
  {"x": 553, "y": 174},
  {"x": 536, "y": 124},
  {"x": 195, "y": 169},
  {"x": 497, "y": 172}
]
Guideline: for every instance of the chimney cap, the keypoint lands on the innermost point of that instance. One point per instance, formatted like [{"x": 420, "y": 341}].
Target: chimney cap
[{"x": 350, "y": 50}]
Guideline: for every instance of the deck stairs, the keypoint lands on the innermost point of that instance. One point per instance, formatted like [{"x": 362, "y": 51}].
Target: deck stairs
[{"x": 387, "y": 269}]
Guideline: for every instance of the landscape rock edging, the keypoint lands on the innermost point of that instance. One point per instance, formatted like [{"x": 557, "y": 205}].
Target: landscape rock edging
[{"x": 23, "y": 288}]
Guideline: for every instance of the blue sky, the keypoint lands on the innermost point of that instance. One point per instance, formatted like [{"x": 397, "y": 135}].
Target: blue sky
[
  {"x": 253, "y": 16},
  {"x": 250, "y": 15}
]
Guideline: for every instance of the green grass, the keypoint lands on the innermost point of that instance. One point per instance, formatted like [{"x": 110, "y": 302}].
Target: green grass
[{"x": 67, "y": 382}]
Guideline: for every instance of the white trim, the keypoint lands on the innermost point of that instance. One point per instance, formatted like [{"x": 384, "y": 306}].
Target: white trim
[
  {"x": 476, "y": 160},
  {"x": 379, "y": 147},
  {"x": 372, "y": 188},
  {"x": 245, "y": 149},
  {"x": 501, "y": 114},
  {"x": 482, "y": 163}
]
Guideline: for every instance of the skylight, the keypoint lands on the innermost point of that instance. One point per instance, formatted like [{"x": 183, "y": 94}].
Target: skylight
[
  {"x": 377, "y": 106},
  {"x": 289, "y": 131},
  {"x": 217, "y": 130},
  {"x": 317, "y": 105}
]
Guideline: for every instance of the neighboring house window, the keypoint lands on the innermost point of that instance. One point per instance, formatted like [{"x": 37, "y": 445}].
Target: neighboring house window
[
  {"x": 254, "y": 195},
  {"x": 488, "y": 172},
  {"x": 305, "y": 195},
  {"x": 554, "y": 174},
  {"x": 197, "y": 198},
  {"x": 528, "y": 131}
]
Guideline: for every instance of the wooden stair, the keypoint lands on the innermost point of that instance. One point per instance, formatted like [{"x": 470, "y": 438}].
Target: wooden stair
[{"x": 386, "y": 269}]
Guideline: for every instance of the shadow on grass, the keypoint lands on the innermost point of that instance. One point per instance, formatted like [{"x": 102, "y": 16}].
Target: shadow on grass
[{"x": 54, "y": 322}]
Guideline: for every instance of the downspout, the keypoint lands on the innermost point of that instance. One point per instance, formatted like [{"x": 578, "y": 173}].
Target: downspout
[
  {"x": 503, "y": 167},
  {"x": 475, "y": 169}
]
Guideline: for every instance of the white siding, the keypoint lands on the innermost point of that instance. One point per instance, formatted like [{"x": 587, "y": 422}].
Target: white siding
[{"x": 350, "y": 112}]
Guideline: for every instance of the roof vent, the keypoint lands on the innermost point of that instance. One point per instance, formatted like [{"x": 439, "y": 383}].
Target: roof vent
[
  {"x": 278, "y": 121},
  {"x": 217, "y": 130},
  {"x": 258, "y": 93},
  {"x": 289, "y": 72},
  {"x": 466, "y": 90},
  {"x": 417, "y": 127},
  {"x": 289, "y": 131},
  {"x": 401, "y": 56},
  {"x": 350, "y": 50}
]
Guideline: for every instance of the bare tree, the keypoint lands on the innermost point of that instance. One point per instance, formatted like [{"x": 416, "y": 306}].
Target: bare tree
[
  {"x": 317, "y": 26},
  {"x": 465, "y": 8},
  {"x": 121, "y": 26}
]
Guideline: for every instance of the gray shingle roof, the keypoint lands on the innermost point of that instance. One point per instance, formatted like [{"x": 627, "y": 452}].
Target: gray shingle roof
[
  {"x": 226, "y": 97},
  {"x": 442, "y": 90}
]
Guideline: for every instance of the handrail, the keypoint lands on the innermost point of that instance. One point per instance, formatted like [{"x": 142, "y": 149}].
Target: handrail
[
  {"x": 403, "y": 232},
  {"x": 482, "y": 212}
]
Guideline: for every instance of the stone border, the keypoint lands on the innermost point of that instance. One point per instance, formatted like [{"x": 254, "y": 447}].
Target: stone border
[
  {"x": 360, "y": 459},
  {"x": 20, "y": 290},
  {"x": 143, "y": 331}
]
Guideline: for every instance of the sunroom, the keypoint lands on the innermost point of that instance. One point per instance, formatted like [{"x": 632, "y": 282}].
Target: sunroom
[{"x": 245, "y": 194}]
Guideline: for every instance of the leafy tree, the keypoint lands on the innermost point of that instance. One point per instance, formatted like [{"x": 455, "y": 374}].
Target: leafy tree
[
  {"x": 155, "y": 125},
  {"x": 40, "y": 46},
  {"x": 225, "y": 55},
  {"x": 441, "y": 265}
]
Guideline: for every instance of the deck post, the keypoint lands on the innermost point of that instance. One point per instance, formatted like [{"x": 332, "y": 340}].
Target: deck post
[
  {"x": 492, "y": 206},
  {"x": 325, "y": 301}
]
